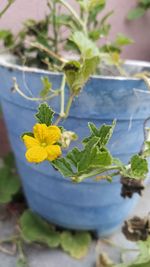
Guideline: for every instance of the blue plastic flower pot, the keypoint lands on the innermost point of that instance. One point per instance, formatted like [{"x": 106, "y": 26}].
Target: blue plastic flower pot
[{"x": 89, "y": 205}]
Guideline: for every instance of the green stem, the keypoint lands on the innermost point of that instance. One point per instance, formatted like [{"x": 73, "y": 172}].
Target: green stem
[
  {"x": 66, "y": 113},
  {"x": 62, "y": 90},
  {"x": 9, "y": 239},
  {"x": 107, "y": 176},
  {"x": 96, "y": 172},
  {"x": 49, "y": 5},
  {"x": 70, "y": 100},
  {"x": 62, "y": 104},
  {"x": 72, "y": 11},
  {"x": 48, "y": 51},
  {"x": 20, "y": 249},
  {"x": 17, "y": 89},
  {"x": 86, "y": 16},
  {"x": 55, "y": 30},
  {"x": 145, "y": 77},
  {"x": 21, "y": 253},
  {"x": 121, "y": 70},
  {"x": 10, "y": 2}
]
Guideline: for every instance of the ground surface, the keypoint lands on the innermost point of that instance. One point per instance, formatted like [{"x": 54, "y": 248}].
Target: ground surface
[{"x": 41, "y": 257}]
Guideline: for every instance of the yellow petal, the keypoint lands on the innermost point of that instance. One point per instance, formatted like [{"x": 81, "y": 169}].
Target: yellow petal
[
  {"x": 36, "y": 154},
  {"x": 40, "y": 132},
  {"x": 54, "y": 134},
  {"x": 46, "y": 134},
  {"x": 30, "y": 141},
  {"x": 53, "y": 151}
]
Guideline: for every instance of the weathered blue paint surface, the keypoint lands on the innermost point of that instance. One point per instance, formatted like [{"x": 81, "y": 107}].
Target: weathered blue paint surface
[{"x": 89, "y": 205}]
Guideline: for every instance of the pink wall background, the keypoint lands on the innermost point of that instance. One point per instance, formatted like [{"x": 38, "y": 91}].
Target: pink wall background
[{"x": 138, "y": 30}]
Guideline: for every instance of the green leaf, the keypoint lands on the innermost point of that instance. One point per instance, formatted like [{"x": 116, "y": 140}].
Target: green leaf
[
  {"x": 86, "y": 47},
  {"x": 139, "y": 166},
  {"x": 89, "y": 5},
  {"x": 78, "y": 74},
  {"x": 136, "y": 13},
  {"x": 95, "y": 34},
  {"x": 72, "y": 71},
  {"x": 93, "y": 129},
  {"x": 143, "y": 259},
  {"x": 122, "y": 40},
  {"x": 144, "y": 255},
  {"x": 35, "y": 229},
  {"x": 100, "y": 32},
  {"x": 7, "y": 37},
  {"x": 77, "y": 245},
  {"x": 66, "y": 20},
  {"x": 102, "y": 159},
  {"x": 9, "y": 185},
  {"x": 137, "y": 169},
  {"x": 63, "y": 166},
  {"x": 45, "y": 114},
  {"x": 88, "y": 154},
  {"x": 95, "y": 9},
  {"x": 95, "y": 4},
  {"x": 9, "y": 161},
  {"x": 145, "y": 2},
  {"x": 4, "y": 34},
  {"x": 89, "y": 67},
  {"x": 146, "y": 152},
  {"x": 92, "y": 157},
  {"x": 74, "y": 156},
  {"x": 104, "y": 133},
  {"x": 47, "y": 85}
]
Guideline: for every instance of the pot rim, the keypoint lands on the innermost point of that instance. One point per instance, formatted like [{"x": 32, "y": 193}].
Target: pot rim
[{"x": 7, "y": 64}]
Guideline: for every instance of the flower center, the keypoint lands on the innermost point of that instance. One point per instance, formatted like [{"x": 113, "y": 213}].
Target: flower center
[{"x": 43, "y": 144}]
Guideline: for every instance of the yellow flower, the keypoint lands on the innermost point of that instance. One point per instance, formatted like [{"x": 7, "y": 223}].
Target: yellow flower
[{"x": 43, "y": 145}]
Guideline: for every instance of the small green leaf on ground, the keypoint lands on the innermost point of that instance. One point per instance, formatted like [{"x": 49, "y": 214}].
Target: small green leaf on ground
[
  {"x": 9, "y": 185},
  {"x": 9, "y": 160},
  {"x": 77, "y": 245},
  {"x": 35, "y": 229},
  {"x": 143, "y": 258}
]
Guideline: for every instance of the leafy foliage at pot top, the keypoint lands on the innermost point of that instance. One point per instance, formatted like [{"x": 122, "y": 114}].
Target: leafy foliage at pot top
[
  {"x": 48, "y": 38},
  {"x": 37, "y": 43}
]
